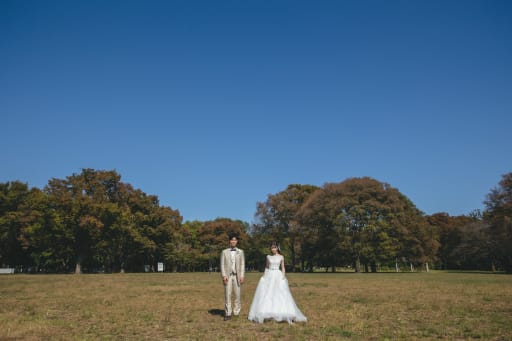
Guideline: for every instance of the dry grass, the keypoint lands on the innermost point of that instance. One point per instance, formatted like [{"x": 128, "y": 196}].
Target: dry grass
[{"x": 405, "y": 306}]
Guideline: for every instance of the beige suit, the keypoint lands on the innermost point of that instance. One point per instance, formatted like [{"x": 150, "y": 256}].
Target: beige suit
[{"x": 234, "y": 272}]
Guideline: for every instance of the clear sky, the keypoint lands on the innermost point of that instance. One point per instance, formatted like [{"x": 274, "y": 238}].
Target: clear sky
[{"x": 213, "y": 105}]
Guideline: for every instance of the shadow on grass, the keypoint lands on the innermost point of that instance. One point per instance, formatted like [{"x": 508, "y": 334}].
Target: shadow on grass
[{"x": 218, "y": 312}]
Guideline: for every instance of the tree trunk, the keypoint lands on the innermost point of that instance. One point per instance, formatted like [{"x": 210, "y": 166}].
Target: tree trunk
[
  {"x": 426, "y": 267},
  {"x": 412, "y": 268},
  {"x": 292, "y": 251},
  {"x": 78, "y": 268},
  {"x": 397, "y": 269},
  {"x": 357, "y": 265}
]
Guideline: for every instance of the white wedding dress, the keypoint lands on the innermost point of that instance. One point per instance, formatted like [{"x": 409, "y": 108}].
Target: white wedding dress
[{"x": 273, "y": 299}]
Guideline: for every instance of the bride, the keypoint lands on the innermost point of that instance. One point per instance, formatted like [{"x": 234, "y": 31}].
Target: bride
[{"x": 273, "y": 299}]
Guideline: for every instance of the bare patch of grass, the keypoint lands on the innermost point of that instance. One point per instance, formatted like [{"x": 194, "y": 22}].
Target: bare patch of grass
[{"x": 177, "y": 306}]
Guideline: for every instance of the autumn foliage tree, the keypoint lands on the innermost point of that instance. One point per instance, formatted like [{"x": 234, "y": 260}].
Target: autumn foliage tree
[
  {"x": 213, "y": 237},
  {"x": 277, "y": 220}
]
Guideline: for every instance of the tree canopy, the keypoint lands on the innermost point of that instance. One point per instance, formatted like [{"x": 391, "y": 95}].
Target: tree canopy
[
  {"x": 499, "y": 217},
  {"x": 92, "y": 221}
]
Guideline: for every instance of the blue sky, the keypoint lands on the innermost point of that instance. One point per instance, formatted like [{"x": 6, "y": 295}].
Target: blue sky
[{"x": 213, "y": 105}]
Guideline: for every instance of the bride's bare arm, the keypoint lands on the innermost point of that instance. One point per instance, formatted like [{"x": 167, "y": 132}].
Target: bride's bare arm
[{"x": 267, "y": 265}]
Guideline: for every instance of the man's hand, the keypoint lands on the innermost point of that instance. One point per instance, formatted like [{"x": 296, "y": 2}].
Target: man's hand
[
  {"x": 241, "y": 280},
  {"x": 225, "y": 280}
]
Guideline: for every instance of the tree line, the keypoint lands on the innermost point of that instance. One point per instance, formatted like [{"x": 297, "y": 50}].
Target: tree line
[{"x": 93, "y": 222}]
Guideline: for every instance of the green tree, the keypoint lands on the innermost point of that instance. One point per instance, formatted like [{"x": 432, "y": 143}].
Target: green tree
[
  {"x": 449, "y": 231},
  {"x": 102, "y": 231},
  {"x": 498, "y": 214},
  {"x": 13, "y": 196},
  {"x": 90, "y": 219},
  {"x": 474, "y": 252},
  {"x": 77, "y": 199},
  {"x": 363, "y": 221},
  {"x": 151, "y": 226},
  {"x": 164, "y": 224},
  {"x": 45, "y": 236}
]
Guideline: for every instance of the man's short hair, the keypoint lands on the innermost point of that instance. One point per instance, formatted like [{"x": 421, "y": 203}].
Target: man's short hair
[{"x": 233, "y": 236}]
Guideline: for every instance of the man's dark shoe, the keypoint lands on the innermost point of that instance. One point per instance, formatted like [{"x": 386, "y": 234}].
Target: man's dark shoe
[{"x": 227, "y": 318}]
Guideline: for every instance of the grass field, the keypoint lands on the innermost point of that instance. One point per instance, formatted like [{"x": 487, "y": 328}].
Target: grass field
[{"x": 189, "y": 306}]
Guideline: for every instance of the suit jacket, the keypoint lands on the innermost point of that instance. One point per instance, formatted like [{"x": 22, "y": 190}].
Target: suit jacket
[{"x": 226, "y": 265}]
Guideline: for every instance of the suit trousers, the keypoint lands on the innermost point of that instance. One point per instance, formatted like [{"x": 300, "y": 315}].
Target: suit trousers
[{"x": 232, "y": 287}]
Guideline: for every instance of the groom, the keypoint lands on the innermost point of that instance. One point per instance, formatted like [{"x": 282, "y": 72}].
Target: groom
[{"x": 232, "y": 270}]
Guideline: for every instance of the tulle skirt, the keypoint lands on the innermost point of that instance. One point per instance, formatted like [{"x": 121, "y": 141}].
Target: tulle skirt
[{"x": 273, "y": 300}]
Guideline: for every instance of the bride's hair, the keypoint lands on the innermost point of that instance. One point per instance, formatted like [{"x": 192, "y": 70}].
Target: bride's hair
[{"x": 274, "y": 243}]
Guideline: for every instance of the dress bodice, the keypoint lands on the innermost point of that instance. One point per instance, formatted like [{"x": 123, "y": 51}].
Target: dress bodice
[{"x": 274, "y": 262}]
